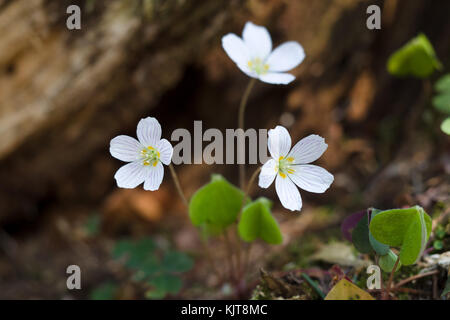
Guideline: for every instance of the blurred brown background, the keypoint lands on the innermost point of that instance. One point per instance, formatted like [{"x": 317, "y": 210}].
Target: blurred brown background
[{"x": 64, "y": 94}]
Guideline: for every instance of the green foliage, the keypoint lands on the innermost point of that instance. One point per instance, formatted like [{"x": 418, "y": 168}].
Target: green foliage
[
  {"x": 441, "y": 101},
  {"x": 379, "y": 247},
  {"x": 408, "y": 229},
  {"x": 445, "y": 126},
  {"x": 363, "y": 240},
  {"x": 163, "y": 284},
  {"x": 438, "y": 243},
  {"x": 216, "y": 205},
  {"x": 92, "y": 225},
  {"x": 106, "y": 291},
  {"x": 416, "y": 58},
  {"x": 258, "y": 222},
  {"x": 443, "y": 84},
  {"x": 159, "y": 269},
  {"x": 388, "y": 260},
  {"x": 360, "y": 236}
]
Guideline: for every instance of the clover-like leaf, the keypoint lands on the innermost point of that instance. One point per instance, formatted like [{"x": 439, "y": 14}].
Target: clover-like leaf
[
  {"x": 215, "y": 205},
  {"x": 153, "y": 264},
  {"x": 408, "y": 229},
  {"x": 441, "y": 102},
  {"x": 350, "y": 223},
  {"x": 136, "y": 252},
  {"x": 443, "y": 84},
  {"x": 257, "y": 222},
  {"x": 360, "y": 236},
  {"x": 174, "y": 261},
  {"x": 387, "y": 261},
  {"x": 445, "y": 126},
  {"x": 105, "y": 291},
  {"x": 379, "y": 247},
  {"x": 416, "y": 58},
  {"x": 363, "y": 240},
  {"x": 162, "y": 285}
]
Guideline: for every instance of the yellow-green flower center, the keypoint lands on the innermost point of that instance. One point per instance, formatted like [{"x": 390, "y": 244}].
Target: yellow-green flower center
[
  {"x": 258, "y": 66},
  {"x": 284, "y": 166},
  {"x": 150, "y": 156}
]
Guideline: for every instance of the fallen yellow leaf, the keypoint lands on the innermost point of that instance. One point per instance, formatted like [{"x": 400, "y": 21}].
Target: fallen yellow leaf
[{"x": 345, "y": 290}]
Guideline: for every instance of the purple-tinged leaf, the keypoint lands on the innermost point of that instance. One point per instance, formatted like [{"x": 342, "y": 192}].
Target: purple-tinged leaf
[{"x": 350, "y": 223}]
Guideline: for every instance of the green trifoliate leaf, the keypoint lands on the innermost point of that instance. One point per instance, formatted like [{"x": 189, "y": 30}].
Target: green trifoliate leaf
[
  {"x": 379, "y": 247},
  {"x": 258, "y": 222},
  {"x": 167, "y": 283},
  {"x": 106, "y": 291},
  {"x": 443, "y": 84},
  {"x": 362, "y": 239},
  {"x": 416, "y": 58},
  {"x": 445, "y": 126},
  {"x": 174, "y": 261},
  {"x": 163, "y": 285},
  {"x": 388, "y": 260},
  {"x": 360, "y": 236},
  {"x": 216, "y": 205},
  {"x": 408, "y": 229},
  {"x": 438, "y": 244},
  {"x": 136, "y": 252},
  {"x": 441, "y": 102}
]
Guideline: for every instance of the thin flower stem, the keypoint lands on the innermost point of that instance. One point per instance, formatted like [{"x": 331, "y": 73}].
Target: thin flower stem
[
  {"x": 186, "y": 203},
  {"x": 210, "y": 259},
  {"x": 248, "y": 189},
  {"x": 247, "y": 257},
  {"x": 244, "y": 199},
  {"x": 391, "y": 277},
  {"x": 241, "y": 126},
  {"x": 178, "y": 186},
  {"x": 230, "y": 255},
  {"x": 377, "y": 261}
]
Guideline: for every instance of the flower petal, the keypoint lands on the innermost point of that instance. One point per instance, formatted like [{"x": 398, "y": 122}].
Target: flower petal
[
  {"x": 311, "y": 178},
  {"x": 149, "y": 132},
  {"x": 277, "y": 78},
  {"x": 258, "y": 40},
  {"x": 125, "y": 148},
  {"x": 286, "y": 57},
  {"x": 268, "y": 173},
  {"x": 308, "y": 149},
  {"x": 236, "y": 49},
  {"x": 165, "y": 150},
  {"x": 131, "y": 175},
  {"x": 288, "y": 193},
  {"x": 279, "y": 142},
  {"x": 156, "y": 175}
]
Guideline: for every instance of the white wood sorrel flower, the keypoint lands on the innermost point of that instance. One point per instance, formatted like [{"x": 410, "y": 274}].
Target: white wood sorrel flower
[
  {"x": 254, "y": 56},
  {"x": 146, "y": 156},
  {"x": 292, "y": 169}
]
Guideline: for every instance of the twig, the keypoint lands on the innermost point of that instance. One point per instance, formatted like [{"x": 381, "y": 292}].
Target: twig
[
  {"x": 417, "y": 276},
  {"x": 435, "y": 288}
]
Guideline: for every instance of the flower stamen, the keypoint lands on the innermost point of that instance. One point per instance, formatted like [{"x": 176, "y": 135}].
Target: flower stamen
[
  {"x": 258, "y": 66},
  {"x": 150, "y": 156}
]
